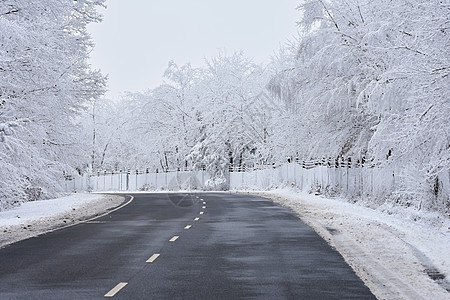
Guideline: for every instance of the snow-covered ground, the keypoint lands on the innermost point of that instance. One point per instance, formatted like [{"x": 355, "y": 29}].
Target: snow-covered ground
[
  {"x": 37, "y": 217},
  {"x": 393, "y": 250}
]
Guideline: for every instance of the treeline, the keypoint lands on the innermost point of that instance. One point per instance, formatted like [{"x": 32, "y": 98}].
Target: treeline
[
  {"x": 364, "y": 79},
  {"x": 209, "y": 118}
]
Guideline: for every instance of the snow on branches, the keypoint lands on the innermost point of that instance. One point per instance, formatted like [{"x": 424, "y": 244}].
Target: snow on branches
[
  {"x": 44, "y": 79},
  {"x": 372, "y": 78},
  {"x": 364, "y": 79}
]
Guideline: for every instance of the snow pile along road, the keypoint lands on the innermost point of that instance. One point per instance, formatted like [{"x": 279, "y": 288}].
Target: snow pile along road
[
  {"x": 399, "y": 254},
  {"x": 38, "y": 217}
]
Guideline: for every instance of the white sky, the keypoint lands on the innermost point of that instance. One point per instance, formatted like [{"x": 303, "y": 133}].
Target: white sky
[{"x": 138, "y": 38}]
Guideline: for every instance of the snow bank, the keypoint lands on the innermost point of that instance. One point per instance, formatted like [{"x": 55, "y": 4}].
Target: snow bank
[
  {"x": 398, "y": 254},
  {"x": 37, "y": 217}
]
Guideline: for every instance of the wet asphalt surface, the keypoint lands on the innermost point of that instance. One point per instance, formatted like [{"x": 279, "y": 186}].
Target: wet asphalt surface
[{"x": 240, "y": 247}]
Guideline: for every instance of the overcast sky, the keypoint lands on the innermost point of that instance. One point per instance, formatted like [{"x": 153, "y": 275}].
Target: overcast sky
[{"x": 138, "y": 38}]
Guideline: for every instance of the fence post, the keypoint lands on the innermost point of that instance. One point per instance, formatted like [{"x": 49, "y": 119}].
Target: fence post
[
  {"x": 287, "y": 170},
  {"x": 348, "y": 170},
  {"x": 137, "y": 173},
  {"x": 203, "y": 178},
  {"x": 341, "y": 174},
  {"x": 328, "y": 171},
  {"x": 167, "y": 184},
  {"x": 372, "y": 170},
  {"x": 362, "y": 172},
  {"x": 314, "y": 174},
  {"x": 120, "y": 179},
  {"x": 295, "y": 171},
  {"x": 302, "y": 171},
  {"x": 393, "y": 180}
]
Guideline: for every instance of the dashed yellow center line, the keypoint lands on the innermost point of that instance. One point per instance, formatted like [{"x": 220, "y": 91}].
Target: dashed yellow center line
[
  {"x": 174, "y": 238},
  {"x": 116, "y": 289},
  {"x": 188, "y": 226},
  {"x": 196, "y": 219},
  {"x": 153, "y": 258}
]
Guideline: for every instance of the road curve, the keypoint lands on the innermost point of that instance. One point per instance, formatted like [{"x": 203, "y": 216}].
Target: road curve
[{"x": 181, "y": 246}]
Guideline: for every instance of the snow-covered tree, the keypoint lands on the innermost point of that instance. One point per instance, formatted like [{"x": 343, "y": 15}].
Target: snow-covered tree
[
  {"x": 44, "y": 81},
  {"x": 233, "y": 115},
  {"x": 371, "y": 78},
  {"x": 215, "y": 117},
  {"x": 364, "y": 78}
]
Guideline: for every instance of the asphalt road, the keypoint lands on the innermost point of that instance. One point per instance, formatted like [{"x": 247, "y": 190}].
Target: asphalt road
[{"x": 181, "y": 246}]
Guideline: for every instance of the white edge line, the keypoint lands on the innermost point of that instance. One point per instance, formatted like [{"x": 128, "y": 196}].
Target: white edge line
[
  {"x": 116, "y": 289},
  {"x": 111, "y": 211},
  {"x": 87, "y": 220},
  {"x": 153, "y": 258}
]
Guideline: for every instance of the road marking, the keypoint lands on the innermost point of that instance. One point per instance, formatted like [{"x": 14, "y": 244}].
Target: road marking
[
  {"x": 174, "y": 238},
  {"x": 202, "y": 212},
  {"x": 188, "y": 226},
  {"x": 116, "y": 289},
  {"x": 204, "y": 203},
  {"x": 203, "y": 207},
  {"x": 196, "y": 219},
  {"x": 91, "y": 219},
  {"x": 152, "y": 258}
]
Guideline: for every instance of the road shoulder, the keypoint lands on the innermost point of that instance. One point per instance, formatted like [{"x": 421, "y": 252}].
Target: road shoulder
[
  {"x": 387, "y": 253},
  {"x": 39, "y": 217}
]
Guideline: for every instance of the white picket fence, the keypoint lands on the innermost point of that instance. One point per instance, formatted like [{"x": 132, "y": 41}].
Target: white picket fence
[
  {"x": 314, "y": 176},
  {"x": 370, "y": 182},
  {"x": 348, "y": 180},
  {"x": 135, "y": 181}
]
